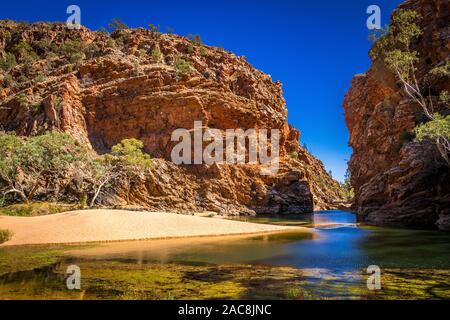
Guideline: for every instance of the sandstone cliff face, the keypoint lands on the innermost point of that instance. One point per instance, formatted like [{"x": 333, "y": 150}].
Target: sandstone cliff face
[
  {"x": 399, "y": 181},
  {"x": 121, "y": 89}
]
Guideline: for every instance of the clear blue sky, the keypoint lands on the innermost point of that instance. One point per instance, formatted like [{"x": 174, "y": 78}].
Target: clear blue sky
[{"x": 313, "y": 47}]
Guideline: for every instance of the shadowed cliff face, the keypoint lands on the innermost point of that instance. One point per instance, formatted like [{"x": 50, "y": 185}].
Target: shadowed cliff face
[
  {"x": 127, "y": 86},
  {"x": 399, "y": 181}
]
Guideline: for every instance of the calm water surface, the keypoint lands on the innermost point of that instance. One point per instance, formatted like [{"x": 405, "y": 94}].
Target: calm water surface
[{"x": 329, "y": 263}]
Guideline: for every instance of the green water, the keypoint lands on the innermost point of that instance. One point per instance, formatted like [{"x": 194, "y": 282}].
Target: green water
[{"x": 330, "y": 264}]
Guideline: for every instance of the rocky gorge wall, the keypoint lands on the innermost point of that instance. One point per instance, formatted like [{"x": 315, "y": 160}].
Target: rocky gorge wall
[
  {"x": 120, "y": 87},
  {"x": 399, "y": 181}
]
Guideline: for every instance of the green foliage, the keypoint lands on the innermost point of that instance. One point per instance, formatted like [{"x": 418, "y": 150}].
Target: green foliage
[
  {"x": 8, "y": 62},
  {"x": 34, "y": 209},
  {"x": 153, "y": 28},
  {"x": 37, "y": 107},
  {"x": 117, "y": 24},
  {"x": 69, "y": 68},
  {"x": 137, "y": 71},
  {"x": 5, "y": 235},
  {"x": 395, "y": 50},
  {"x": 432, "y": 130},
  {"x": 294, "y": 294},
  {"x": 157, "y": 55},
  {"x": 43, "y": 45},
  {"x": 83, "y": 201},
  {"x": 51, "y": 152},
  {"x": 196, "y": 39},
  {"x": 378, "y": 34},
  {"x": 50, "y": 56},
  {"x": 404, "y": 27},
  {"x": 21, "y": 82},
  {"x": 92, "y": 50},
  {"x": 294, "y": 155},
  {"x": 110, "y": 43},
  {"x": 74, "y": 50},
  {"x": 8, "y": 81},
  {"x": 444, "y": 97},
  {"x": 181, "y": 66},
  {"x": 130, "y": 154},
  {"x": 25, "y": 52},
  {"x": 441, "y": 71},
  {"x": 299, "y": 294},
  {"x": 30, "y": 69},
  {"x": 142, "y": 54},
  {"x": 379, "y": 47},
  {"x": 401, "y": 62},
  {"x": 402, "y": 32},
  {"x": 126, "y": 161},
  {"x": 27, "y": 258},
  {"x": 24, "y": 161},
  {"x": 5, "y": 35},
  {"x": 18, "y": 211},
  {"x": 190, "y": 49},
  {"x": 349, "y": 192},
  {"x": 122, "y": 37},
  {"x": 10, "y": 160},
  {"x": 77, "y": 57},
  {"x": 22, "y": 98},
  {"x": 40, "y": 78}
]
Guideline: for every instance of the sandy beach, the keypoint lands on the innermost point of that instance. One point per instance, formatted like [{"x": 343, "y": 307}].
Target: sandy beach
[{"x": 120, "y": 225}]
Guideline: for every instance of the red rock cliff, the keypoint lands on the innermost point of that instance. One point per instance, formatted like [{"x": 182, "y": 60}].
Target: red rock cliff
[
  {"x": 398, "y": 181},
  {"x": 120, "y": 87}
]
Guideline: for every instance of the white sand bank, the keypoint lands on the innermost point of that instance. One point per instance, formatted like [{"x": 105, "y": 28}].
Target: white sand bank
[{"x": 119, "y": 225}]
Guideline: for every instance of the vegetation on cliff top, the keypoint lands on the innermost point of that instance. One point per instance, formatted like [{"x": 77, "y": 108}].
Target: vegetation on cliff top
[
  {"x": 394, "y": 48},
  {"x": 34, "y": 57}
]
